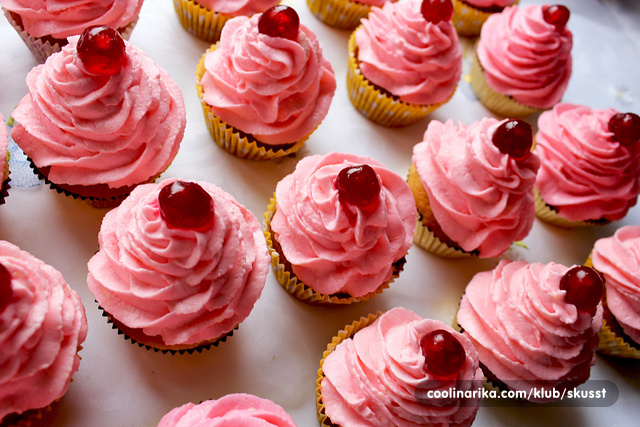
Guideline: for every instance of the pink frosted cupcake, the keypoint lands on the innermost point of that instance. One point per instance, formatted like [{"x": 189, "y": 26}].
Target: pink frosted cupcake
[
  {"x": 379, "y": 372},
  {"x": 180, "y": 265},
  {"x": 343, "y": 14},
  {"x": 265, "y": 87},
  {"x": 404, "y": 62},
  {"x": 469, "y": 15},
  {"x": 44, "y": 25},
  {"x": 205, "y": 18},
  {"x": 4, "y": 160},
  {"x": 473, "y": 187},
  {"x": 535, "y": 326},
  {"x": 590, "y": 172},
  {"x": 99, "y": 119},
  {"x": 232, "y": 409},
  {"x": 523, "y": 60},
  {"x": 339, "y": 228},
  {"x": 42, "y": 327}
]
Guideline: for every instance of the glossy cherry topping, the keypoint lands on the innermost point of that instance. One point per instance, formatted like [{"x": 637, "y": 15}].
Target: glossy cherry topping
[
  {"x": 6, "y": 292},
  {"x": 625, "y": 128},
  {"x": 186, "y": 206},
  {"x": 358, "y": 185},
  {"x": 584, "y": 288},
  {"x": 435, "y": 11},
  {"x": 443, "y": 353},
  {"x": 101, "y": 50},
  {"x": 514, "y": 137},
  {"x": 556, "y": 15},
  {"x": 280, "y": 21}
]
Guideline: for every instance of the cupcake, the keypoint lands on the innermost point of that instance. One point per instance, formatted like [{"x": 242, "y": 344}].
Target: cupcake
[
  {"x": 473, "y": 187},
  {"x": 338, "y": 228},
  {"x": 180, "y": 265},
  {"x": 343, "y": 14},
  {"x": 590, "y": 165},
  {"x": 535, "y": 326},
  {"x": 42, "y": 327},
  {"x": 522, "y": 63},
  {"x": 617, "y": 259},
  {"x": 405, "y": 61},
  {"x": 469, "y": 15},
  {"x": 45, "y": 25},
  {"x": 232, "y": 409},
  {"x": 264, "y": 87},
  {"x": 385, "y": 371},
  {"x": 100, "y": 118},
  {"x": 4, "y": 160},
  {"x": 205, "y": 18}
]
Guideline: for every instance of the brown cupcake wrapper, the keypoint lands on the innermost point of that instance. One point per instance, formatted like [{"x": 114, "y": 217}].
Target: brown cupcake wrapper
[
  {"x": 6, "y": 180},
  {"x": 346, "y": 333},
  {"x": 375, "y": 105},
  {"x": 342, "y": 14},
  {"x": 203, "y": 23},
  {"x": 547, "y": 214},
  {"x": 468, "y": 20},
  {"x": 290, "y": 282},
  {"x": 233, "y": 140},
  {"x": 500, "y": 104}
]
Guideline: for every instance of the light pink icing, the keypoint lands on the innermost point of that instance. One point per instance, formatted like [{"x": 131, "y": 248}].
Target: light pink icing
[
  {"x": 183, "y": 286},
  {"x": 119, "y": 130},
  {"x": 524, "y": 331},
  {"x": 380, "y": 376},
  {"x": 237, "y": 7},
  {"x": 488, "y": 3},
  {"x": 4, "y": 142},
  {"x": 41, "y": 331},
  {"x": 417, "y": 61},
  {"x": 585, "y": 175},
  {"x": 525, "y": 57},
  {"x": 276, "y": 89},
  {"x": 618, "y": 259},
  {"x": 378, "y": 3},
  {"x": 233, "y": 409},
  {"x": 64, "y": 18},
  {"x": 481, "y": 198},
  {"x": 332, "y": 250}
]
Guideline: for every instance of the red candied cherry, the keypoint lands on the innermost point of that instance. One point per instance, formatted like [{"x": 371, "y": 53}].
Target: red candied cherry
[
  {"x": 443, "y": 353},
  {"x": 186, "y": 206},
  {"x": 101, "y": 50},
  {"x": 515, "y": 138},
  {"x": 6, "y": 292},
  {"x": 358, "y": 185},
  {"x": 556, "y": 15},
  {"x": 584, "y": 288},
  {"x": 435, "y": 11},
  {"x": 625, "y": 128},
  {"x": 280, "y": 21}
]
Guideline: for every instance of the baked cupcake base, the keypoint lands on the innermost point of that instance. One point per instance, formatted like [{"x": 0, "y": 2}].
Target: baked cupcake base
[
  {"x": 299, "y": 289},
  {"x": 343, "y": 14},
  {"x": 200, "y": 21},
  {"x": 376, "y": 104},
  {"x": 549, "y": 214}
]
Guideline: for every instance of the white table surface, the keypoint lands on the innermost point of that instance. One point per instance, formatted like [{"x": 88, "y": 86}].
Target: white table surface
[{"x": 275, "y": 353}]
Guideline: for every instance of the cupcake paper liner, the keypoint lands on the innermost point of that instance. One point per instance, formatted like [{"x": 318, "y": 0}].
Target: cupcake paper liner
[
  {"x": 346, "y": 333},
  {"x": 6, "y": 180},
  {"x": 498, "y": 103},
  {"x": 298, "y": 288},
  {"x": 467, "y": 19},
  {"x": 376, "y": 106},
  {"x": 232, "y": 140},
  {"x": 548, "y": 214},
  {"x": 200, "y": 21},
  {"x": 343, "y": 14}
]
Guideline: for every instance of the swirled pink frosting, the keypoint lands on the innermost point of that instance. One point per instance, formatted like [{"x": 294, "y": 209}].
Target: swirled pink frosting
[
  {"x": 183, "y": 286},
  {"x": 488, "y": 3},
  {"x": 618, "y": 259},
  {"x": 233, "y": 409},
  {"x": 524, "y": 331},
  {"x": 119, "y": 130},
  {"x": 41, "y": 331},
  {"x": 337, "y": 249},
  {"x": 417, "y": 61},
  {"x": 276, "y": 89},
  {"x": 482, "y": 198},
  {"x": 4, "y": 141},
  {"x": 380, "y": 376},
  {"x": 237, "y": 7},
  {"x": 525, "y": 57},
  {"x": 64, "y": 18},
  {"x": 585, "y": 175}
]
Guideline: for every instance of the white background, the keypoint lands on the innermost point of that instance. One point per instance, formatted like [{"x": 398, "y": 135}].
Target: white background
[{"x": 276, "y": 351}]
